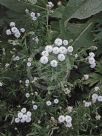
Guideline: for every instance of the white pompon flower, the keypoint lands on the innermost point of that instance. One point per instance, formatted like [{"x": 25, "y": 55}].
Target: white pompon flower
[
  {"x": 91, "y": 60},
  {"x": 87, "y": 104},
  {"x": 94, "y": 97},
  {"x": 55, "y": 50},
  {"x": 48, "y": 103},
  {"x": 35, "y": 107},
  {"x": 14, "y": 30},
  {"x": 97, "y": 88},
  {"x": 63, "y": 50},
  {"x": 29, "y": 64},
  {"x": 58, "y": 42},
  {"x": 98, "y": 117},
  {"x": 93, "y": 65},
  {"x": 27, "y": 81},
  {"x": 68, "y": 124},
  {"x": 65, "y": 42},
  {"x": 56, "y": 101},
  {"x": 70, "y": 49},
  {"x": 100, "y": 98},
  {"x": 68, "y": 118},
  {"x": 17, "y": 120},
  {"x": 12, "y": 24},
  {"x": 28, "y": 120},
  {"x": 61, "y": 118},
  {"x": 27, "y": 95},
  {"x": 23, "y": 110},
  {"x": 61, "y": 57},
  {"x": 22, "y": 30},
  {"x": 44, "y": 60},
  {"x": 24, "y": 117},
  {"x": 17, "y": 34},
  {"x": 48, "y": 48},
  {"x": 8, "y": 32},
  {"x": 86, "y": 77},
  {"x": 50, "y": 5},
  {"x": 32, "y": 14},
  {"x": 45, "y": 53},
  {"x": 91, "y": 54},
  {"x": 20, "y": 115},
  {"x": 29, "y": 114},
  {"x": 22, "y": 120},
  {"x": 54, "y": 63}
]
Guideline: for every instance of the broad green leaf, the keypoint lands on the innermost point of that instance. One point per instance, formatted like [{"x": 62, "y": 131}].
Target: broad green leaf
[
  {"x": 14, "y": 5},
  {"x": 81, "y": 9}
]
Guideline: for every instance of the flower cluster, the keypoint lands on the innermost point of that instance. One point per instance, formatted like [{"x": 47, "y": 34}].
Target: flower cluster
[
  {"x": 14, "y": 30},
  {"x": 23, "y": 116},
  {"x": 59, "y": 48},
  {"x": 91, "y": 60},
  {"x": 67, "y": 120},
  {"x": 34, "y": 15},
  {"x": 50, "y": 5}
]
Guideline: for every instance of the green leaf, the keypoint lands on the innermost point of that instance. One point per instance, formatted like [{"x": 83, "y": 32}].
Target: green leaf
[
  {"x": 81, "y": 9},
  {"x": 14, "y": 5}
]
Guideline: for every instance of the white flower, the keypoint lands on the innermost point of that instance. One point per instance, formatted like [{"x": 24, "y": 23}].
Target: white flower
[
  {"x": 61, "y": 119},
  {"x": 38, "y": 14},
  {"x": 36, "y": 39},
  {"x": 61, "y": 57},
  {"x": 22, "y": 30},
  {"x": 44, "y": 60},
  {"x": 58, "y": 42},
  {"x": 24, "y": 117},
  {"x": 45, "y": 53},
  {"x": 91, "y": 54},
  {"x": 30, "y": 59},
  {"x": 76, "y": 55},
  {"x": 35, "y": 107},
  {"x": 86, "y": 77},
  {"x": 14, "y": 30},
  {"x": 56, "y": 101},
  {"x": 68, "y": 124},
  {"x": 55, "y": 50},
  {"x": 32, "y": 14},
  {"x": 91, "y": 60},
  {"x": 48, "y": 48},
  {"x": 87, "y": 104},
  {"x": 100, "y": 98},
  {"x": 70, "y": 49},
  {"x": 98, "y": 117},
  {"x": 70, "y": 108},
  {"x": 17, "y": 34},
  {"x": 27, "y": 81},
  {"x": 48, "y": 103},
  {"x": 65, "y": 42},
  {"x": 29, "y": 64},
  {"x": 7, "y": 64},
  {"x": 93, "y": 65},
  {"x": 12, "y": 24},
  {"x": 22, "y": 120},
  {"x": 94, "y": 97},
  {"x": 29, "y": 113},
  {"x": 1, "y": 84},
  {"x": 28, "y": 119},
  {"x": 50, "y": 5},
  {"x": 23, "y": 110},
  {"x": 63, "y": 50},
  {"x": 8, "y": 32},
  {"x": 34, "y": 18},
  {"x": 54, "y": 63},
  {"x": 17, "y": 120},
  {"x": 27, "y": 95},
  {"x": 68, "y": 118},
  {"x": 20, "y": 115},
  {"x": 97, "y": 88}
]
